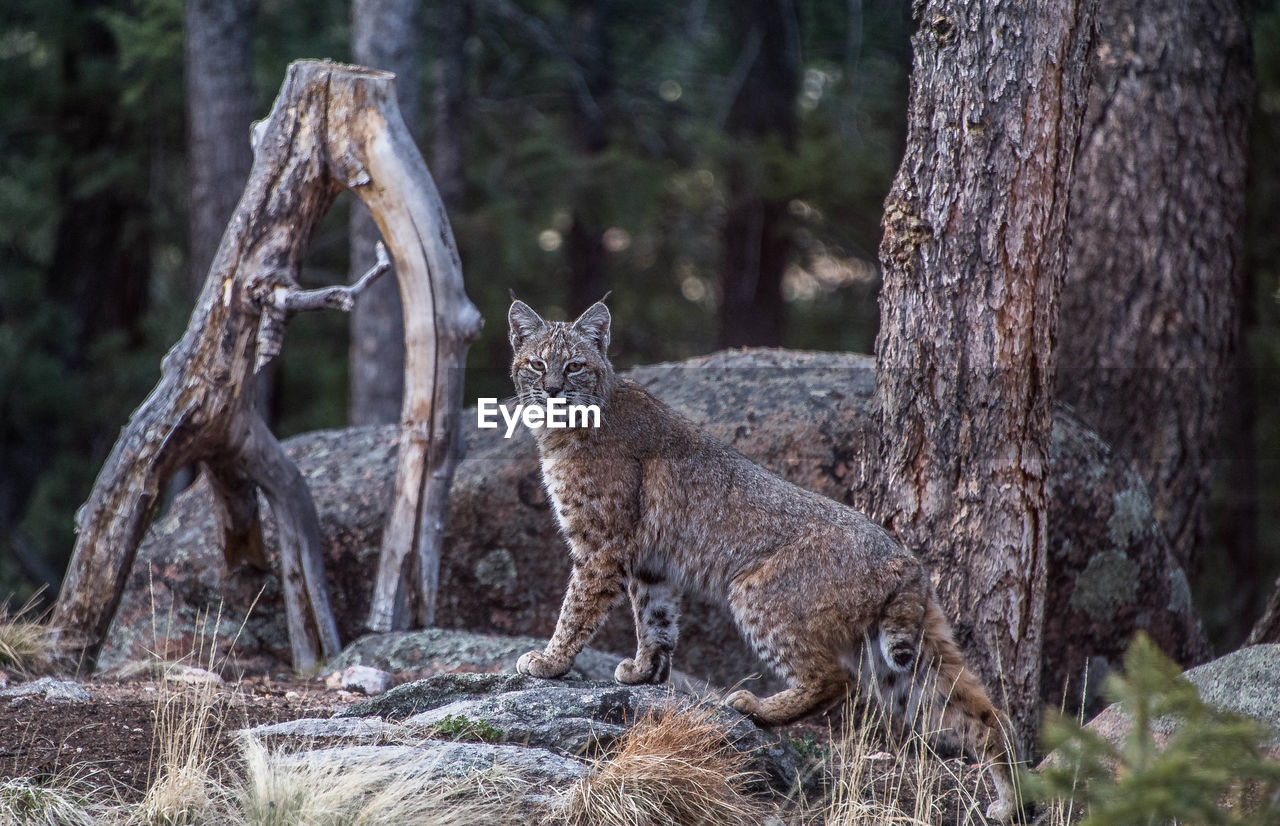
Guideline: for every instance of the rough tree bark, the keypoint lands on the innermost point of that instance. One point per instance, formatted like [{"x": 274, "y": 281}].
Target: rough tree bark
[
  {"x": 973, "y": 257},
  {"x": 754, "y": 247},
  {"x": 220, "y": 106},
  {"x": 1149, "y": 308},
  {"x": 331, "y": 127},
  {"x": 384, "y": 35}
]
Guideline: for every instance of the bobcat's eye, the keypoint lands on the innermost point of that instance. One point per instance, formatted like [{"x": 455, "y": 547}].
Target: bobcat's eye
[
  {"x": 537, "y": 365},
  {"x": 574, "y": 367}
]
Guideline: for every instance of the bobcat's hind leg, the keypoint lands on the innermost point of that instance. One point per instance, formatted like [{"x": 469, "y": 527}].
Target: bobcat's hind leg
[
  {"x": 818, "y": 687},
  {"x": 656, "y": 607},
  {"x": 798, "y": 647},
  {"x": 982, "y": 731},
  {"x": 946, "y": 702}
]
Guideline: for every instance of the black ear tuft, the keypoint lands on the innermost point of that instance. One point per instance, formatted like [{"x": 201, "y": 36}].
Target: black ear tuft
[
  {"x": 523, "y": 322},
  {"x": 594, "y": 324}
]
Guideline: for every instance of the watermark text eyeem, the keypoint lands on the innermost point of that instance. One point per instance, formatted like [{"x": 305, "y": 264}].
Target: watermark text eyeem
[{"x": 555, "y": 413}]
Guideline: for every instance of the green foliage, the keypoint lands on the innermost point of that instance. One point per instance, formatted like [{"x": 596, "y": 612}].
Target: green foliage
[
  {"x": 807, "y": 746},
  {"x": 1181, "y": 761},
  {"x": 457, "y": 727}
]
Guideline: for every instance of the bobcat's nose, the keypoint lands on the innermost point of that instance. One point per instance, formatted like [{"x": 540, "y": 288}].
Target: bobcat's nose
[{"x": 552, "y": 392}]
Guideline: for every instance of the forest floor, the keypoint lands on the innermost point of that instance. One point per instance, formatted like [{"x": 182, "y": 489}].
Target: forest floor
[{"x": 110, "y": 741}]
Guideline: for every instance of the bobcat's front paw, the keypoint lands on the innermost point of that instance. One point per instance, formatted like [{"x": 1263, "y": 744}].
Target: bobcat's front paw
[
  {"x": 630, "y": 672},
  {"x": 535, "y": 664}
]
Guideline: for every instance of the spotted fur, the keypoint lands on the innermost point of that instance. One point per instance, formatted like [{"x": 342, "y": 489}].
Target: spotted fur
[{"x": 651, "y": 506}]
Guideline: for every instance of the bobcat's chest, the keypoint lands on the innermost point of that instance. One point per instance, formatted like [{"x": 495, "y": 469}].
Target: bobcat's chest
[{"x": 564, "y": 481}]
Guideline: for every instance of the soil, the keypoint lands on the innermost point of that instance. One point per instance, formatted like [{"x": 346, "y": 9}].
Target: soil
[{"x": 110, "y": 741}]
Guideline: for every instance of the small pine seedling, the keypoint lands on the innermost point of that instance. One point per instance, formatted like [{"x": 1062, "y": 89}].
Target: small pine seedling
[{"x": 1211, "y": 769}]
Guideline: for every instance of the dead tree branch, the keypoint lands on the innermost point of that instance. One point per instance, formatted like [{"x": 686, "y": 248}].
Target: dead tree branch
[{"x": 332, "y": 127}]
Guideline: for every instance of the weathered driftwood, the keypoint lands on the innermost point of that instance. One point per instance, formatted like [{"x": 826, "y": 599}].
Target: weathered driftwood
[{"x": 331, "y": 127}]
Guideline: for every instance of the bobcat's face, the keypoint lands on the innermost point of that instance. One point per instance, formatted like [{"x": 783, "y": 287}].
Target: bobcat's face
[{"x": 556, "y": 358}]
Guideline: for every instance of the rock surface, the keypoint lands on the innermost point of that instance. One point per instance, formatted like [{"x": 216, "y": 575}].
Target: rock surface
[
  {"x": 414, "y": 655},
  {"x": 366, "y": 680},
  {"x": 51, "y": 689},
  {"x": 1245, "y": 682},
  {"x": 572, "y": 720},
  {"x": 807, "y": 416},
  {"x": 430, "y": 759}
]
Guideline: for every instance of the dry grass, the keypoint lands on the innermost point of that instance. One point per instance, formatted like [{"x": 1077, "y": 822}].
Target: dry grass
[
  {"x": 870, "y": 786},
  {"x": 190, "y": 719},
  {"x": 189, "y": 722},
  {"x": 285, "y": 788},
  {"x": 674, "y": 765},
  {"x": 26, "y": 642},
  {"x": 908, "y": 784},
  {"x": 56, "y": 802}
]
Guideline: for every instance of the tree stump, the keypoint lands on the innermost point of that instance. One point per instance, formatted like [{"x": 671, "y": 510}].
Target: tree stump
[{"x": 332, "y": 127}]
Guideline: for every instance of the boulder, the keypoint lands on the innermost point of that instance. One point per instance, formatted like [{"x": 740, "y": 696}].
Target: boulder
[
  {"x": 807, "y": 416},
  {"x": 1245, "y": 682},
  {"x": 365, "y": 680},
  {"x": 536, "y": 777},
  {"x": 553, "y": 720},
  {"x": 573, "y": 719},
  {"x": 434, "y": 759},
  {"x": 414, "y": 655}
]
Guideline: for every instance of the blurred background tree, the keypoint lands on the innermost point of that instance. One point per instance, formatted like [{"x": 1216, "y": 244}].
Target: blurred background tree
[{"x": 582, "y": 146}]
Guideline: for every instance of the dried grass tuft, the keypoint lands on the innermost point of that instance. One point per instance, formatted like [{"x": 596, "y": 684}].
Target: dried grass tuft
[
  {"x": 185, "y": 790},
  {"x": 26, "y": 801},
  {"x": 907, "y": 784},
  {"x": 26, "y": 641},
  {"x": 674, "y": 765},
  {"x": 283, "y": 787}
]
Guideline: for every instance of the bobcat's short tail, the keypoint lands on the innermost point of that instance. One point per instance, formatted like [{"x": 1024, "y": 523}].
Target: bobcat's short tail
[
  {"x": 960, "y": 706},
  {"x": 926, "y": 685},
  {"x": 960, "y": 696}
]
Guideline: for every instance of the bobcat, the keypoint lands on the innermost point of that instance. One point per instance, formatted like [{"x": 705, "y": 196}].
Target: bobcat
[{"x": 650, "y": 503}]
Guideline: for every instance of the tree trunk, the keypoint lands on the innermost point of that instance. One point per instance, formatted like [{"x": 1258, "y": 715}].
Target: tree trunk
[
  {"x": 332, "y": 127},
  {"x": 385, "y": 36},
  {"x": 973, "y": 257},
  {"x": 453, "y": 23},
  {"x": 1149, "y": 307},
  {"x": 220, "y": 107},
  {"x": 754, "y": 245},
  {"x": 584, "y": 250}
]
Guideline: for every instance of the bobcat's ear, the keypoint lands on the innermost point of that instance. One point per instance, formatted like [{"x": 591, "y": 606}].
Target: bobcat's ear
[
  {"x": 594, "y": 324},
  {"x": 523, "y": 322}
]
